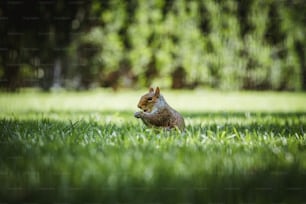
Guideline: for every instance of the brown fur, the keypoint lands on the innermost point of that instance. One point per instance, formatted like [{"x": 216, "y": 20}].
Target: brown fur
[{"x": 157, "y": 113}]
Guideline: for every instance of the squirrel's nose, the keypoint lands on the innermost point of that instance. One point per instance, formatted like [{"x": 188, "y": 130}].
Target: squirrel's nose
[{"x": 139, "y": 106}]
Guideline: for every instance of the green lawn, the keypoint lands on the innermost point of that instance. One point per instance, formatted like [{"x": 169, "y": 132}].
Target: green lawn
[{"x": 238, "y": 147}]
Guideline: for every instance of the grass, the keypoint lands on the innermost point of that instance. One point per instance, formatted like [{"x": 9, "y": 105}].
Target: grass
[{"x": 87, "y": 147}]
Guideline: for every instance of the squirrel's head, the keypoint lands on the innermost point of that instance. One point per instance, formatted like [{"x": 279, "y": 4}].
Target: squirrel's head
[{"x": 147, "y": 101}]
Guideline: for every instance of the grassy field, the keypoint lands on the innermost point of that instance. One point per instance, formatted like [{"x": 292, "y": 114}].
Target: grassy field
[{"x": 247, "y": 147}]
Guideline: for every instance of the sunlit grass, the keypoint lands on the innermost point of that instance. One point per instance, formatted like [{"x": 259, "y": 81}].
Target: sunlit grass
[
  {"x": 194, "y": 101},
  {"x": 88, "y": 147}
]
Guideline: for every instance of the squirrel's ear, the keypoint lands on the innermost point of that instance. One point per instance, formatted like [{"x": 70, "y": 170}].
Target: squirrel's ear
[
  {"x": 157, "y": 92},
  {"x": 151, "y": 89}
]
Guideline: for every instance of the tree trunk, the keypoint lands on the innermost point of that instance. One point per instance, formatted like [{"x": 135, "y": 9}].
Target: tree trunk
[
  {"x": 300, "y": 49},
  {"x": 57, "y": 71},
  {"x": 11, "y": 67},
  {"x": 11, "y": 73}
]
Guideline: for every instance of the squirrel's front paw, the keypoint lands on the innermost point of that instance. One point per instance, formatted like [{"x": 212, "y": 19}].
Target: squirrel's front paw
[{"x": 138, "y": 114}]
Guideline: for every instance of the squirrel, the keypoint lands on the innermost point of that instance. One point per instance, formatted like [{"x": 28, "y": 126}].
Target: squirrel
[{"x": 157, "y": 113}]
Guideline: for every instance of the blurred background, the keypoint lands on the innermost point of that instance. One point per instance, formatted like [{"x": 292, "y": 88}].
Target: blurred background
[{"x": 183, "y": 44}]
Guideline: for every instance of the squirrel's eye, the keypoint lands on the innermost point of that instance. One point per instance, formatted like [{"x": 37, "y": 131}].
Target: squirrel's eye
[{"x": 150, "y": 99}]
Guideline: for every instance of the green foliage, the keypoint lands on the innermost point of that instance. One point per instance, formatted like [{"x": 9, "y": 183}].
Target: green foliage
[
  {"x": 224, "y": 44},
  {"x": 221, "y": 44},
  {"x": 87, "y": 151}
]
